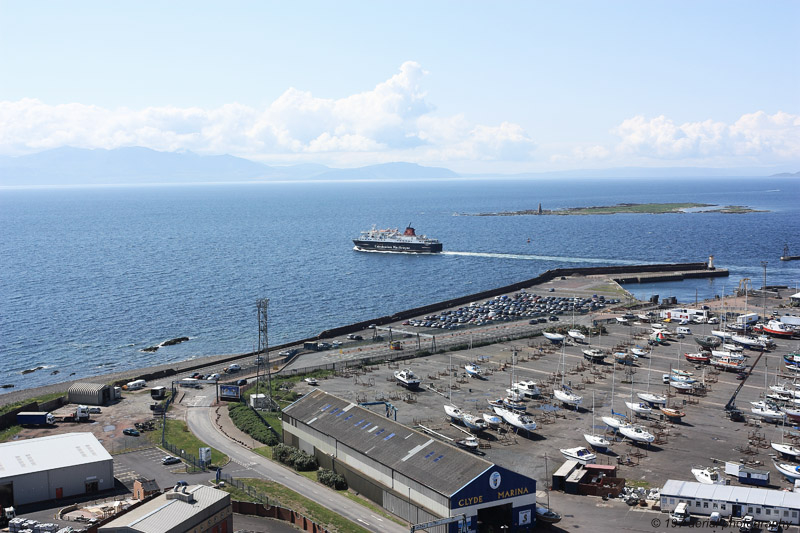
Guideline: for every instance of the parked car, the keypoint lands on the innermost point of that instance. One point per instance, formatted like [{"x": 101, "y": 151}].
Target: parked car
[
  {"x": 130, "y": 431},
  {"x": 241, "y": 382},
  {"x": 746, "y": 524},
  {"x": 774, "y": 525},
  {"x": 213, "y": 377},
  {"x": 715, "y": 518},
  {"x": 353, "y": 337},
  {"x": 95, "y": 410},
  {"x": 234, "y": 368},
  {"x": 170, "y": 460}
]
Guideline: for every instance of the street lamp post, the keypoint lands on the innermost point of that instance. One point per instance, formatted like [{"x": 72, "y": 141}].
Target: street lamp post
[{"x": 764, "y": 290}]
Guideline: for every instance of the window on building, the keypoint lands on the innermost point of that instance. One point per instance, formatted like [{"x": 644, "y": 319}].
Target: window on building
[
  {"x": 768, "y": 511},
  {"x": 722, "y": 507},
  {"x": 758, "y": 510},
  {"x": 750, "y": 510},
  {"x": 794, "y": 514},
  {"x": 672, "y": 501},
  {"x": 715, "y": 505},
  {"x": 785, "y": 513},
  {"x": 705, "y": 505}
]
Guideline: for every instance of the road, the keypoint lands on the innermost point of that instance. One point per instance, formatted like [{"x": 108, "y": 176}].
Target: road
[{"x": 199, "y": 420}]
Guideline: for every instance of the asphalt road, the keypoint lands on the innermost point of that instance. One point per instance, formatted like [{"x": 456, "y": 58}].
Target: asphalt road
[{"x": 199, "y": 420}]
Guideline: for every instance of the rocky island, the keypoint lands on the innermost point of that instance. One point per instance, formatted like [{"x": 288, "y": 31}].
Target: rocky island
[{"x": 652, "y": 209}]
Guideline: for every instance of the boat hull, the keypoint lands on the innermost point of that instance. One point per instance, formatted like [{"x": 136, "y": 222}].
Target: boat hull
[{"x": 397, "y": 247}]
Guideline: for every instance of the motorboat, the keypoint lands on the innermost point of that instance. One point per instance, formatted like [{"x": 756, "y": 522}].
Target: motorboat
[
  {"x": 708, "y": 342},
  {"x": 697, "y": 357},
  {"x": 580, "y": 454},
  {"x": 792, "y": 472},
  {"x": 652, "y": 399},
  {"x": 564, "y": 395},
  {"x": 595, "y": 355},
  {"x": 474, "y": 423},
  {"x": 624, "y": 358},
  {"x": 407, "y": 378},
  {"x": 708, "y": 475},
  {"x": 454, "y": 412},
  {"x": 673, "y": 413},
  {"x": 553, "y": 337},
  {"x": 514, "y": 395},
  {"x": 547, "y": 516},
  {"x": 518, "y": 420},
  {"x": 496, "y": 402},
  {"x": 776, "y": 328},
  {"x": 514, "y": 405},
  {"x": 468, "y": 443},
  {"x": 658, "y": 337},
  {"x": 637, "y": 433},
  {"x": 734, "y": 356},
  {"x": 528, "y": 388},
  {"x": 639, "y": 352},
  {"x": 622, "y": 320},
  {"x": 726, "y": 363},
  {"x": 786, "y": 449},
  {"x": 576, "y": 335},
  {"x": 474, "y": 371},
  {"x": 658, "y": 327},
  {"x": 640, "y": 408},
  {"x": 493, "y": 421}
]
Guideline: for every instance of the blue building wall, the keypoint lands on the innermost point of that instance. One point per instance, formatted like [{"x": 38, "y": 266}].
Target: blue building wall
[{"x": 496, "y": 486}]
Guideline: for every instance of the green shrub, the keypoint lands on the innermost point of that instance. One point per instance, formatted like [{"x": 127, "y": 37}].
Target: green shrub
[
  {"x": 248, "y": 421},
  {"x": 297, "y": 459},
  {"x": 332, "y": 479}
]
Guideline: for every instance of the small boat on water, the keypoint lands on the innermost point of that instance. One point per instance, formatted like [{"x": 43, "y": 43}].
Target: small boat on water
[
  {"x": 580, "y": 454},
  {"x": 553, "y": 337},
  {"x": 594, "y": 355},
  {"x": 407, "y": 378},
  {"x": 474, "y": 371},
  {"x": 708, "y": 475},
  {"x": 547, "y": 516}
]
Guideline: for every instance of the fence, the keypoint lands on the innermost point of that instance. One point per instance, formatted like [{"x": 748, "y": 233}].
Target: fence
[
  {"x": 250, "y": 491},
  {"x": 193, "y": 464}
]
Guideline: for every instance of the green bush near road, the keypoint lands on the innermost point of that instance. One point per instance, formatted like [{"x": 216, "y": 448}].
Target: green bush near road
[
  {"x": 248, "y": 421},
  {"x": 297, "y": 459},
  {"x": 331, "y": 479}
]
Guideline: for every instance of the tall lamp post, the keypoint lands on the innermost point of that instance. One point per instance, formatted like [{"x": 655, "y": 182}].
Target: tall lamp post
[{"x": 764, "y": 290}]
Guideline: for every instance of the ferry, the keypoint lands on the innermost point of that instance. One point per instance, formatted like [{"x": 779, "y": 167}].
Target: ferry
[{"x": 391, "y": 240}]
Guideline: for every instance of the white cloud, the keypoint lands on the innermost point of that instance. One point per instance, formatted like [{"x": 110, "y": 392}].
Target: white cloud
[
  {"x": 755, "y": 135},
  {"x": 393, "y": 121}
]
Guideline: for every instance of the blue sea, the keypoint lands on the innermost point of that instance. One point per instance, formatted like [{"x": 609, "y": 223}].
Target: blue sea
[{"x": 90, "y": 276}]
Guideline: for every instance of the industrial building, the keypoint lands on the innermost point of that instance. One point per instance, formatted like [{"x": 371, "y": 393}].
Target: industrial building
[
  {"x": 409, "y": 473},
  {"x": 90, "y": 394},
  {"x": 730, "y": 501},
  {"x": 196, "y": 508},
  {"x": 54, "y": 467}
]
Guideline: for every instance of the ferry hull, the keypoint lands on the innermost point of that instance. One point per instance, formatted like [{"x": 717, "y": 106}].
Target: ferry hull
[{"x": 397, "y": 247}]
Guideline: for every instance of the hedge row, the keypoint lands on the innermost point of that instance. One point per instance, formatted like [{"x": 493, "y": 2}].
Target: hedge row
[
  {"x": 332, "y": 479},
  {"x": 297, "y": 459},
  {"x": 248, "y": 421}
]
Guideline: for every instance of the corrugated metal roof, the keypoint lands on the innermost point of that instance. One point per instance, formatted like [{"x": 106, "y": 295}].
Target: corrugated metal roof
[
  {"x": 432, "y": 463},
  {"x": 84, "y": 388},
  {"x": 743, "y": 495},
  {"x": 160, "y": 514},
  {"x": 47, "y": 453}
]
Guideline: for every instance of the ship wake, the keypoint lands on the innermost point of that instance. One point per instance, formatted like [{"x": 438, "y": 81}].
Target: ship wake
[{"x": 526, "y": 257}]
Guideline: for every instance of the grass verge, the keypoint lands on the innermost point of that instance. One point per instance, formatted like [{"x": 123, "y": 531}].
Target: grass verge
[
  {"x": 305, "y": 506},
  {"x": 41, "y": 399},
  {"x": 9, "y": 432},
  {"x": 177, "y": 433}
]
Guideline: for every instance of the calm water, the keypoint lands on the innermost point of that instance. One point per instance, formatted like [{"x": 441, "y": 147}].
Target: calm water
[{"x": 91, "y": 276}]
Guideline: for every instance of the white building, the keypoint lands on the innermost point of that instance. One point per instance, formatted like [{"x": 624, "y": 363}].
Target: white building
[
  {"x": 730, "y": 501},
  {"x": 54, "y": 467}
]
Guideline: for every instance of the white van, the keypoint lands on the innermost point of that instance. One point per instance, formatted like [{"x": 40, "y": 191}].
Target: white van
[
  {"x": 684, "y": 330},
  {"x": 137, "y": 384},
  {"x": 681, "y": 514}
]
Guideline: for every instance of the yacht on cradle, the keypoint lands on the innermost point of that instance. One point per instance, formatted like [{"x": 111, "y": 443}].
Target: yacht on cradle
[
  {"x": 673, "y": 413},
  {"x": 730, "y": 347},
  {"x": 637, "y": 433},
  {"x": 777, "y": 328},
  {"x": 769, "y": 412},
  {"x": 681, "y": 386},
  {"x": 474, "y": 371},
  {"x": 594, "y": 355},
  {"x": 708, "y": 342},
  {"x": 749, "y": 342},
  {"x": 518, "y": 420},
  {"x": 407, "y": 378},
  {"x": 474, "y": 423},
  {"x": 580, "y": 454},
  {"x": 786, "y": 449},
  {"x": 577, "y": 335},
  {"x": 492, "y": 420},
  {"x": 547, "y": 516},
  {"x": 708, "y": 476},
  {"x": 468, "y": 443},
  {"x": 454, "y": 412},
  {"x": 598, "y": 442},
  {"x": 565, "y": 394},
  {"x": 650, "y": 398},
  {"x": 791, "y": 472},
  {"x": 616, "y": 420},
  {"x": 553, "y": 337},
  {"x": 639, "y": 352},
  {"x": 698, "y": 357}
]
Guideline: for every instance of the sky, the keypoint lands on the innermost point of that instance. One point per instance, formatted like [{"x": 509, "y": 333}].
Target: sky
[{"x": 514, "y": 86}]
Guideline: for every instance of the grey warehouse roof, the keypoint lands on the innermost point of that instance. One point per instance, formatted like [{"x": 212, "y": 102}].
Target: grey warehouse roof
[
  {"x": 728, "y": 493},
  {"x": 25, "y": 456},
  {"x": 430, "y": 462}
]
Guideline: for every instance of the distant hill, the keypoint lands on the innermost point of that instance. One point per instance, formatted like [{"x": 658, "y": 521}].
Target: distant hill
[
  {"x": 388, "y": 171},
  {"x": 786, "y": 175}
]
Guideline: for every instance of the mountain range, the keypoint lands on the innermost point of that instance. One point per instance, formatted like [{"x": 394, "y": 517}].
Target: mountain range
[{"x": 136, "y": 165}]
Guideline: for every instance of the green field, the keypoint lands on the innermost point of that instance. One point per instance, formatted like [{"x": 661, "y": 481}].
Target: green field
[{"x": 178, "y": 434}]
